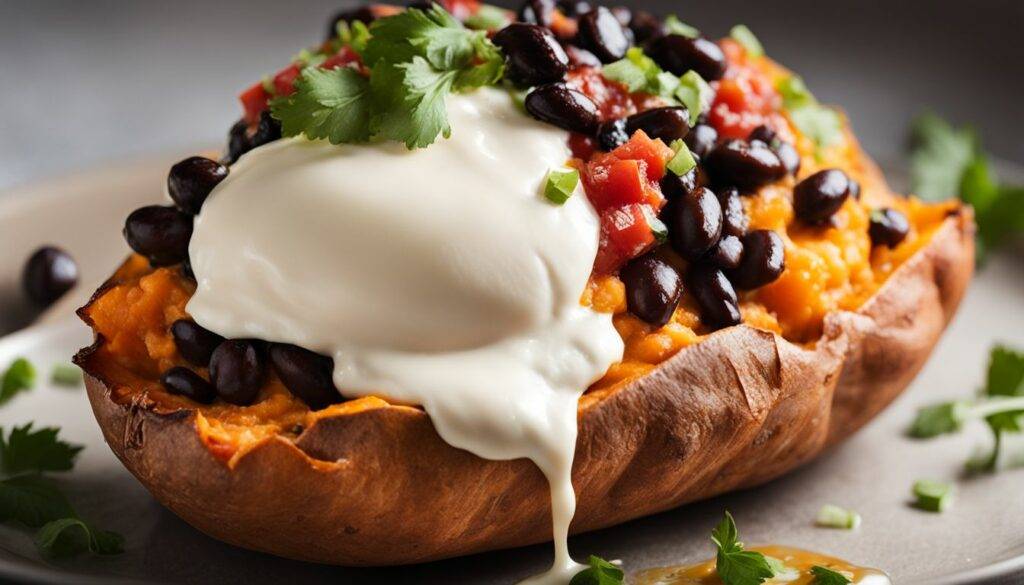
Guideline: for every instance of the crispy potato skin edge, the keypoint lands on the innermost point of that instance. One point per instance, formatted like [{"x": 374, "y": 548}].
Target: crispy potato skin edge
[{"x": 380, "y": 487}]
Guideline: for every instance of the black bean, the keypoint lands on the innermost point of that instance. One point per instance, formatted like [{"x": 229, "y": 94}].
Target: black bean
[
  {"x": 680, "y": 54},
  {"x": 48, "y": 273},
  {"x": 307, "y": 375},
  {"x": 574, "y": 8},
  {"x": 237, "y": 371},
  {"x": 161, "y": 234},
  {"x": 646, "y": 26},
  {"x": 581, "y": 57},
  {"x": 532, "y": 54},
  {"x": 888, "y": 227},
  {"x": 566, "y": 108},
  {"x": 185, "y": 382},
  {"x": 363, "y": 14},
  {"x": 668, "y": 123},
  {"x": 239, "y": 142},
  {"x": 653, "y": 288},
  {"x": 789, "y": 156},
  {"x": 701, "y": 139},
  {"x": 191, "y": 180},
  {"x": 622, "y": 14},
  {"x": 818, "y": 197},
  {"x": 537, "y": 12},
  {"x": 195, "y": 343},
  {"x": 747, "y": 165},
  {"x": 763, "y": 133},
  {"x": 602, "y": 34},
  {"x": 734, "y": 216},
  {"x": 268, "y": 130},
  {"x": 727, "y": 253},
  {"x": 612, "y": 134},
  {"x": 715, "y": 296},
  {"x": 694, "y": 222},
  {"x": 764, "y": 259},
  {"x": 674, "y": 186}
]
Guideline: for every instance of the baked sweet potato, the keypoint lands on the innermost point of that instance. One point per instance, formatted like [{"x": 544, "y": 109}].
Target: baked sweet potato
[{"x": 378, "y": 486}]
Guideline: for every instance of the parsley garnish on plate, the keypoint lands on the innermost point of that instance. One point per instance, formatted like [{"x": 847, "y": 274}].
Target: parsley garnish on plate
[
  {"x": 415, "y": 59},
  {"x": 33, "y": 500},
  {"x": 736, "y": 566},
  {"x": 19, "y": 377},
  {"x": 947, "y": 162},
  {"x": 826, "y": 576},
  {"x": 1001, "y": 405},
  {"x": 600, "y": 572}
]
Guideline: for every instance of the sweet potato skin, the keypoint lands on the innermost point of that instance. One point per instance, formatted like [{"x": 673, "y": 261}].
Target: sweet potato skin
[{"x": 380, "y": 487}]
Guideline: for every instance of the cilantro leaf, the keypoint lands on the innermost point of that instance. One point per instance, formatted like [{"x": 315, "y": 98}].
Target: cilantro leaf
[
  {"x": 419, "y": 112},
  {"x": 332, "y": 104},
  {"x": 600, "y": 572},
  {"x": 433, "y": 34},
  {"x": 19, "y": 377},
  {"x": 32, "y": 500},
  {"x": 1005, "y": 379},
  {"x": 736, "y": 566},
  {"x": 939, "y": 156},
  {"x": 70, "y": 536},
  {"x": 37, "y": 451},
  {"x": 938, "y": 419},
  {"x": 826, "y": 576}
]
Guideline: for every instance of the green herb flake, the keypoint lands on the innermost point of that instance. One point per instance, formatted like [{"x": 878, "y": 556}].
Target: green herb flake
[
  {"x": 560, "y": 185},
  {"x": 71, "y": 536},
  {"x": 832, "y": 516},
  {"x": 938, "y": 419},
  {"x": 27, "y": 450},
  {"x": 826, "y": 576},
  {"x": 734, "y": 565},
  {"x": 823, "y": 125},
  {"x": 599, "y": 572},
  {"x": 32, "y": 500},
  {"x": 636, "y": 70},
  {"x": 489, "y": 18},
  {"x": 745, "y": 37},
  {"x": 694, "y": 93},
  {"x": 19, "y": 377},
  {"x": 939, "y": 157},
  {"x": 674, "y": 26},
  {"x": 658, "y": 228},
  {"x": 682, "y": 162},
  {"x": 68, "y": 375},
  {"x": 932, "y": 496}
]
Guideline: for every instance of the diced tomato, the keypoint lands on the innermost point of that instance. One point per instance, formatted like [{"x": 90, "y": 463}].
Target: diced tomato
[
  {"x": 625, "y": 234},
  {"x": 284, "y": 80},
  {"x": 612, "y": 99},
  {"x": 461, "y": 9},
  {"x": 254, "y": 101},
  {"x": 746, "y": 97},
  {"x": 653, "y": 152},
  {"x": 343, "y": 57},
  {"x": 615, "y": 183}
]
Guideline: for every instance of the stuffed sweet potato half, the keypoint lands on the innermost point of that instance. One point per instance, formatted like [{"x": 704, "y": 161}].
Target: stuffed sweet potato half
[{"x": 770, "y": 293}]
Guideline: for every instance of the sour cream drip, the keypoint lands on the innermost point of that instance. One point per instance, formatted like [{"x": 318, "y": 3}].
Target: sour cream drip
[{"x": 439, "y": 277}]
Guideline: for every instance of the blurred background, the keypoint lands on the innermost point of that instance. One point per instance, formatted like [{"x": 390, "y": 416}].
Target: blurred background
[{"x": 98, "y": 82}]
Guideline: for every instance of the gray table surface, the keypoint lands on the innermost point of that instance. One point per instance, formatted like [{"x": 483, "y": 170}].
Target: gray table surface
[{"x": 87, "y": 83}]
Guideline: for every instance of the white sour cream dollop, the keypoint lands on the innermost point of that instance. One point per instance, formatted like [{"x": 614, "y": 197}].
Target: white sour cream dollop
[{"x": 439, "y": 277}]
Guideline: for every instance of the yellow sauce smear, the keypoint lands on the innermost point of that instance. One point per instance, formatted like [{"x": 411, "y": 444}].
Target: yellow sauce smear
[{"x": 798, "y": 560}]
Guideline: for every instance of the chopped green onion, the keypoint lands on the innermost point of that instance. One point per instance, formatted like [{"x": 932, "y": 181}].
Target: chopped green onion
[
  {"x": 659, "y": 229},
  {"x": 635, "y": 70},
  {"x": 560, "y": 185},
  {"x": 933, "y": 496},
  {"x": 742, "y": 35},
  {"x": 830, "y": 516},
  {"x": 66, "y": 375},
  {"x": 794, "y": 92},
  {"x": 488, "y": 17},
  {"x": 695, "y": 94},
  {"x": 819, "y": 123},
  {"x": 19, "y": 377},
  {"x": 682, "y": 162},
  {"x": 674, "y": 26}
]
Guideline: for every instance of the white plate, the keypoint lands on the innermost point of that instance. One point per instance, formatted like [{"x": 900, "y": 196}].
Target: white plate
[{"x": 980, "y": 538}]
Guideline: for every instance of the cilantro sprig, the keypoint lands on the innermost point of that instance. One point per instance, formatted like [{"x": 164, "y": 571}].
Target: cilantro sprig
[
  {"x": 33, "y": 500},
  {"x": 826, "y": 576},
  {"x": 736, "y": 566},
  {"x": 598, "y": 572},
  {"x": 1000, "y": 405},
  {"x": 415, "y": 59},
  {"x": 946, "y": 162}
]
